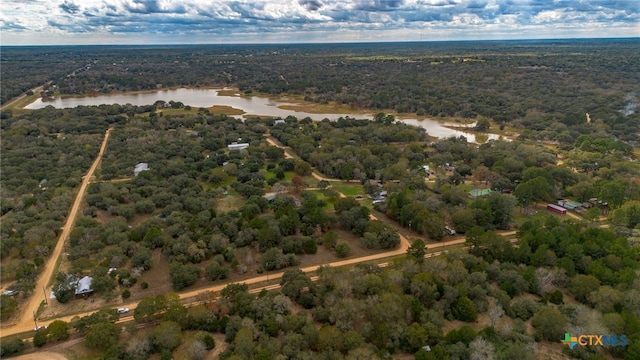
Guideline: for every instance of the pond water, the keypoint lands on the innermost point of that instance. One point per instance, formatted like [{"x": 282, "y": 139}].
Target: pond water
[{"x": 250, "y": 105}]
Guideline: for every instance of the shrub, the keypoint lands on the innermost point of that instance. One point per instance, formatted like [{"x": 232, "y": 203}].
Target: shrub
[
  {"x": 343, "y": 249},
  {"x": 207, "y": 340},
  {"x": 40, "y": 338},
  {"x": 464, "y": 310},
  {"x": 11, "y": 347}
]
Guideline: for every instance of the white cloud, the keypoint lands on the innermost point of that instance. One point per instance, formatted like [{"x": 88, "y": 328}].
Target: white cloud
[{"x": 74, "y": 21}]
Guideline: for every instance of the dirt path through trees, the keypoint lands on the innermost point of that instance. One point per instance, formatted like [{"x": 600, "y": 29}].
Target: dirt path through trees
[{"x": 25, "y": 321}]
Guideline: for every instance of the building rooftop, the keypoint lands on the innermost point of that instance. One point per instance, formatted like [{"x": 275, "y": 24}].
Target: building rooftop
[{"x": 479, "y": 192}]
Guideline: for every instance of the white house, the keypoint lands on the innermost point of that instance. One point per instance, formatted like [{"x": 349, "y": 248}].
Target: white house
[
  {"x": 238, "y": 146},
  {"x": 140, "y": 168}
]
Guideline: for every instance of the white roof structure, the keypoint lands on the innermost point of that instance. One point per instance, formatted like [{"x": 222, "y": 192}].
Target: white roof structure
[
  {"x": 140, "y": 168},
  {"x": 84, "y": 285},
  {"x": 236, "y": 146}
]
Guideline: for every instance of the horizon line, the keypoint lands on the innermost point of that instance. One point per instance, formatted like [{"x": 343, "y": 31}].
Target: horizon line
[{"x": 330, "y": 42}]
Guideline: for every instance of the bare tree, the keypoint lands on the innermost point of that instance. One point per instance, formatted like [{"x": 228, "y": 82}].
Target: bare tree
[
  {"x": 481, "y": 349},
  {"x": 495, "y": 312},
  {"x": 139, "y": 347},
  {"x": 197, "y": 350}
]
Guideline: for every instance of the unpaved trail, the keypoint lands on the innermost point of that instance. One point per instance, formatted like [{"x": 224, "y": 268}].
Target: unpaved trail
[
  {"x": 404, "y": 244},
  {"x": 42, "y": 355},
  {"x": 25, "y": 321},
  {"x": 274, "y": 142},
  {"x": 9, "y": 103},
  {"x": 26, "y": 325}
]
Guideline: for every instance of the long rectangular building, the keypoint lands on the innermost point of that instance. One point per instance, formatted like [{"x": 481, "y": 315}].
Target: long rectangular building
[{"x": 556, "y": 209}]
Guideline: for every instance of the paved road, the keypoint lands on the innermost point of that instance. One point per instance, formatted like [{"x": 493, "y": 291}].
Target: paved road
[{"x": 28, "y": 309}]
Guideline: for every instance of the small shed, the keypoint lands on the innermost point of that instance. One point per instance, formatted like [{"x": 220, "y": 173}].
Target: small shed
[
  {"x": 556, "y": 209},
  {"x": 237, "y": 146},
  {"x": 84, "y": 286},
  {"x": 477, "y": 193},
  {"x": 140, "y": 168}
]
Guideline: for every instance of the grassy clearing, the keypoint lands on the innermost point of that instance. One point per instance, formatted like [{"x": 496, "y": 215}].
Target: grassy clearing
[
  {"x": 288, "y": 175},
  {"x": 348, "y": 189},
  {"x": 24, "y": 101},
  {"x": 537, "y": 212},
  {"x": 226, "y": 110},
  {"x": 230, "y": 202}
]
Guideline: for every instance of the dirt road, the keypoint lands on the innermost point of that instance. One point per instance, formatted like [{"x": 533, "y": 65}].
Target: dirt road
[
  {"x": 28, "y": 309},
  {"x": 35, "y": 90},
  {"x": 275, "y": 143},
  {"x": 43, "y": 355}
]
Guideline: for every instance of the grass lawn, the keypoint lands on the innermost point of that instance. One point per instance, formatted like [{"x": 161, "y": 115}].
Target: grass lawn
[
  {"x": 321, "y": 196},
  {"x": 227, "y": 182},
  {"x": 288, "y": 175},
  {"x": 539, "y": 212},
  {"x": 348, "y": 189}
]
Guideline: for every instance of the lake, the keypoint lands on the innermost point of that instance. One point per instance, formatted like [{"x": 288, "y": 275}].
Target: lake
[{"x": 255, "y": 105}]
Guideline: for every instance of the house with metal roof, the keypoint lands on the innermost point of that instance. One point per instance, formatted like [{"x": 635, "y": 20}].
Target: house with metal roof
[
  {"x": 84, "y": 286},
  {"x": 477, "y": 193}
]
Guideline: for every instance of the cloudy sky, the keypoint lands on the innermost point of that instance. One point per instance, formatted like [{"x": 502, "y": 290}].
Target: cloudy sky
[{"x": 53, "y": 22}]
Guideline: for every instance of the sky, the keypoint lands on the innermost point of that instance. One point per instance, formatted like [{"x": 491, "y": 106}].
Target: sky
[{"x": 75, "y": 22}]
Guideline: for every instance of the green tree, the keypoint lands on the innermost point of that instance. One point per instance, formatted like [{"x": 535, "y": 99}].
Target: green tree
[
  {"x": 537, "y": 189},
  {"x": 243, "y": 343},
  {"x": 183, "y": 276},
  {"x": 330, "y": 338},
  {"x": 417, "y": 250},
  {"x": 464, "y": 309},
  {"x": 142, "y": 258},
  {"x": 58, "y": 330},
  {"x": 550, "y": 323},
  {"x": 206, "y": 339},
  {"x": 628, "y": 215},
  {"x": 150, "y": 309},
  {"x": 463, "y": 220},
  {"x": 166, "y": 336},
  {"x": 215, "y": 271},
  {"x": 8, "y": 306},
  {"x": 482, "y": 125},
  {"x": 343, "y": 249},
  {"x": 501, "y": 209},
  {"x": 415, "y": 337},
  {"x": 436, "y": 353},
  {"x": 102, "y": 336},
  {"x": 11, "y": 347},
  {"x": 582, "y": 285},
  {"x": 302, "y": 168},
  {"x": 40, "y": 338}
]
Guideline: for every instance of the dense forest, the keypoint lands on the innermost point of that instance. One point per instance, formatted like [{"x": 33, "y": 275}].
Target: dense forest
[
  {"x": 546, "y": 87},
  {"x": 220, "y": 201},
  {"x": 205, "y": 214}
]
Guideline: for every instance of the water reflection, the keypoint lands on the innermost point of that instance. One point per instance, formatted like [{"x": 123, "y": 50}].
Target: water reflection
[{"x": 250, "y": 105}]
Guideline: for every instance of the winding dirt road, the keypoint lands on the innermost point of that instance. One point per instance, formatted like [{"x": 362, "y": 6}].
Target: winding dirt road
[{"x": 25, "y": 321}]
